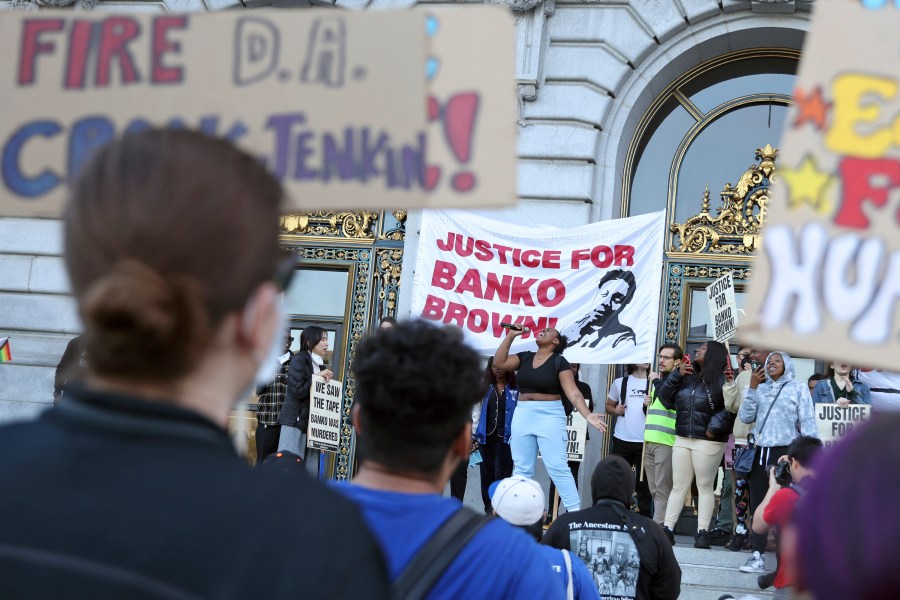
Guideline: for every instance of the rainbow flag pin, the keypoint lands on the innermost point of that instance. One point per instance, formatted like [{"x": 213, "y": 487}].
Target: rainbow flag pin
[{"x": 5, "y": 353}]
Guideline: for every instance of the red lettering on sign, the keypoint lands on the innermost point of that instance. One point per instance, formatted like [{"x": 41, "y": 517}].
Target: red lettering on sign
[
  {"x": 32, "y": 46},
  {"x": 857, "y": 175},
  {"x": 161, "y": 45},
  {"x": 115, "y": 35}
]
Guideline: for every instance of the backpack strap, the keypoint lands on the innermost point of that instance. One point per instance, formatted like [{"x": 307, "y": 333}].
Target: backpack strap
[
  {"x": 430, "y": 562},
  {"x": 623, "y": 391},
  {"x": 570, "y": 589}
]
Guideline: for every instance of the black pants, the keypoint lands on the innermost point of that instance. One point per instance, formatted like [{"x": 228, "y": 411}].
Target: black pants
[
  {"x": 574, "y": 466},
  {"x": 633, "y": 452},
  {"x": 266, "y": 441},
  {"x": 759, "y": 485},
  {"x": 496, "y": 464},
  {"x": 458, "y": 481}
]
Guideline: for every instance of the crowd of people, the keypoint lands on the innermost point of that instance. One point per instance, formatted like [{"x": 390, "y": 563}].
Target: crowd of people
[{"x": 131, "y": 488}]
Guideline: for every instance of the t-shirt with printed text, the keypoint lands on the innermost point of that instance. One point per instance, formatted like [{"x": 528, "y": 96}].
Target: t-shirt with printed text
[{"x": 630, "y": 428}]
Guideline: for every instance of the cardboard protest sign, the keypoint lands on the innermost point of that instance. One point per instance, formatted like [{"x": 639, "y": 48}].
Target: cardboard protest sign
[
  {"x": 834, "y": 422},
  {"x": 472, "y": 130},
  {"x": 576, "y": 436},
  {"x": 826, "y": 280},
  {"x": 722, "y": 307},
  {"x": 334, "y": 102},
  {"x": 324, "y": 429},
  {"x": 598, "y": 284}
]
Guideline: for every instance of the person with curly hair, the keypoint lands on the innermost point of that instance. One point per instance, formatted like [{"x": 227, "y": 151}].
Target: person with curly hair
[{"x": 416, "y": 385}]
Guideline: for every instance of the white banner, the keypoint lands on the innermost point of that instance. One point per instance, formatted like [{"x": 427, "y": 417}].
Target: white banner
[
  {"x": 598, "y": 284},
  {"x": 324, "y": 429}
]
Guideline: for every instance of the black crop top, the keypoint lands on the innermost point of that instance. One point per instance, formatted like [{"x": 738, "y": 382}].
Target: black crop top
[{"x": 544, "y": 379}]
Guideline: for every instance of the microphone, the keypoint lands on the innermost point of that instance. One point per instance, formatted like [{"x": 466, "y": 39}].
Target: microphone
[{"x": 514, "y": 326}]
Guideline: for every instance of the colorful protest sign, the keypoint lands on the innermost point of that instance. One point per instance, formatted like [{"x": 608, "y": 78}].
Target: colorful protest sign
[
  {"x": 722, "y": 307},
  {"x": 827, "y": 277},
  {"x": 834, "y": 422},
  {"x": 576, "y": 434},
  {"x": 324, "y": 429},
  {"x": 472, "y": 131},
  {"x": 598, "y": 284},
  {"x": 334, "y": 102}
]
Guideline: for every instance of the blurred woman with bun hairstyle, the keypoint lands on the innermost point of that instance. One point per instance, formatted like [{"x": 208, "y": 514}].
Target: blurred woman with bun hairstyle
[
  {"x": 131, "y": 487},
  {"x": 294, "y": 417}
]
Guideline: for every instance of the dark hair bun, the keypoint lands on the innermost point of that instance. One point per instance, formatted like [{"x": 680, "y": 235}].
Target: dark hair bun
[{"x": 140, "y": 325}]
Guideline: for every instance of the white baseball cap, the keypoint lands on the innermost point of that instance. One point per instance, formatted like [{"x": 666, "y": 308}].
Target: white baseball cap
[{"x": 517, "y": 500}]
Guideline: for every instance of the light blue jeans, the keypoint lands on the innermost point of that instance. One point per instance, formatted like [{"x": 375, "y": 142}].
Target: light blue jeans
[{"x": 542, "y": 424}]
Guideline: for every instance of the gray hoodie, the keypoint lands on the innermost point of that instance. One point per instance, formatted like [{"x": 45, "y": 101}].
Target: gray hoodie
[{"x": 792, "y": 414}]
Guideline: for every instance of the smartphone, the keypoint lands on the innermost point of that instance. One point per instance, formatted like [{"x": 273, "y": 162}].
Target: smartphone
[
  {"x": 754, "y": 365},
  {"x": 687, "y": 358}
]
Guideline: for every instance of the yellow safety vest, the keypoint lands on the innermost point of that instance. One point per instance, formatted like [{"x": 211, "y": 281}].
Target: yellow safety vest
[{"x": 660, "y": 426}]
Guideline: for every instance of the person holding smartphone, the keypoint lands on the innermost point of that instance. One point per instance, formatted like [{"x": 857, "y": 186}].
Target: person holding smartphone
[
  {"x": 539, "y": 421},
  {"x": 781, "y": 407},
  {"x": 702, "y": 426}
]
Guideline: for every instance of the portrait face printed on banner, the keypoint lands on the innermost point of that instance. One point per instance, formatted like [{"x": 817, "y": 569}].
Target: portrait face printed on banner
[{"x": 600, "y": 326}]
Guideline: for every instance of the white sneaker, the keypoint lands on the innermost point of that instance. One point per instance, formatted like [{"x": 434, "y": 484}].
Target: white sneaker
[{"x": 755, "y": 564}]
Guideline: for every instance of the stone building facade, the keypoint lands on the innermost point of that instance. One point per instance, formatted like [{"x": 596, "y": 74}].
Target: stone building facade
[{"x": 596, "y": 81}]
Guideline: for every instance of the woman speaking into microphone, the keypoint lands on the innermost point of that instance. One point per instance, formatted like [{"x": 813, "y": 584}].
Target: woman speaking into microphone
[{"x": 540, "y": 421}]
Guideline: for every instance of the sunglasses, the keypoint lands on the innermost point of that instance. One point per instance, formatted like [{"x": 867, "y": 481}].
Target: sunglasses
[{"x": 284, "y": 271}]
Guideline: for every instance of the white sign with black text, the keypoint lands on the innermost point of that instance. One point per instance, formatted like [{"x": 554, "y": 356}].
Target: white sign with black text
[
  {"x": 722, "y": 307},
  {"x": 324, "y": 430},
  {"x": 576, "y": 436}
]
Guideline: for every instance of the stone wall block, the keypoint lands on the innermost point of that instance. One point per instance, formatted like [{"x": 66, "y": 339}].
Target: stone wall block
[
  {"x": 615, "y": 26},
  {"x": 697, "y": 10},
  {"x": 558, "y": 141},
  {"x": 31, "y": 236},
  {"x": 594, "y": 64},
  {"x": 38, "y": 312},
  {"x": 573, "y": 101},
  {"x": 37, "y": 349},
  {"x": 15, "y": 271},
  {"x": 21, "y": 411},
  {"x": 21, "y": 384},
  {"x": 662, "y": 17},
  {"x": 555, "y": 179},
  {"x": 48, "y": 275}
]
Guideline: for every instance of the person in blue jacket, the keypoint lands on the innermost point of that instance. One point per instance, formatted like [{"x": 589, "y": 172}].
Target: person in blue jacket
[
  {"x": 492, "y": 427},
  {"x": 840, "y": 387}
]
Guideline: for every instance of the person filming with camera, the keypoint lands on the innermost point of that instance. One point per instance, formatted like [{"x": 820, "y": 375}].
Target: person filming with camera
[{"x": 788, "y": 479}]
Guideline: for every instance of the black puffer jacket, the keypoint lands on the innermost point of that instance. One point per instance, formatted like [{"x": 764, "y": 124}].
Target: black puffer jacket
[
  {"x": 691, "y": 398},
  {"x": 295, "y": 411}
]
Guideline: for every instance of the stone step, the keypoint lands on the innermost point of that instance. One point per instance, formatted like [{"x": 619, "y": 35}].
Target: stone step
[
  {"x": 724, "y": 577},
  {"x": 717, "y": 557},
  {"x": 714, "y": 593}
]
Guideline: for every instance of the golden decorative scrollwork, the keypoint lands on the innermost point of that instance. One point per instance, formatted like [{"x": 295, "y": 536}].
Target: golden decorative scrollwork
[
  {"x": 356, "y": 224},
  {"x": 735, "y": 228}
]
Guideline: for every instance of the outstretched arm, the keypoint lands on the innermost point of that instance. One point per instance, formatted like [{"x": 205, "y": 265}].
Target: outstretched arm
[{"x": 567, "y": 381}]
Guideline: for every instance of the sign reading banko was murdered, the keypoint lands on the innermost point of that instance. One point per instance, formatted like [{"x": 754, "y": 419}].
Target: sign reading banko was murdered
[
  {"x": 827, "y": 277},
  {"x": 348, "y": 110}
]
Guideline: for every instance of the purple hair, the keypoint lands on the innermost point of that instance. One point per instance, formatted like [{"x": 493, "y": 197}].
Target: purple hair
[{"x": 847, "y": 522}]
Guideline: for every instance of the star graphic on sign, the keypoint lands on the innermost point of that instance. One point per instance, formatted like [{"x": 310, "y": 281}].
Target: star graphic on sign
[
  {"x": 811, "y": 107},
  {"x": 807, "y": 185}
]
